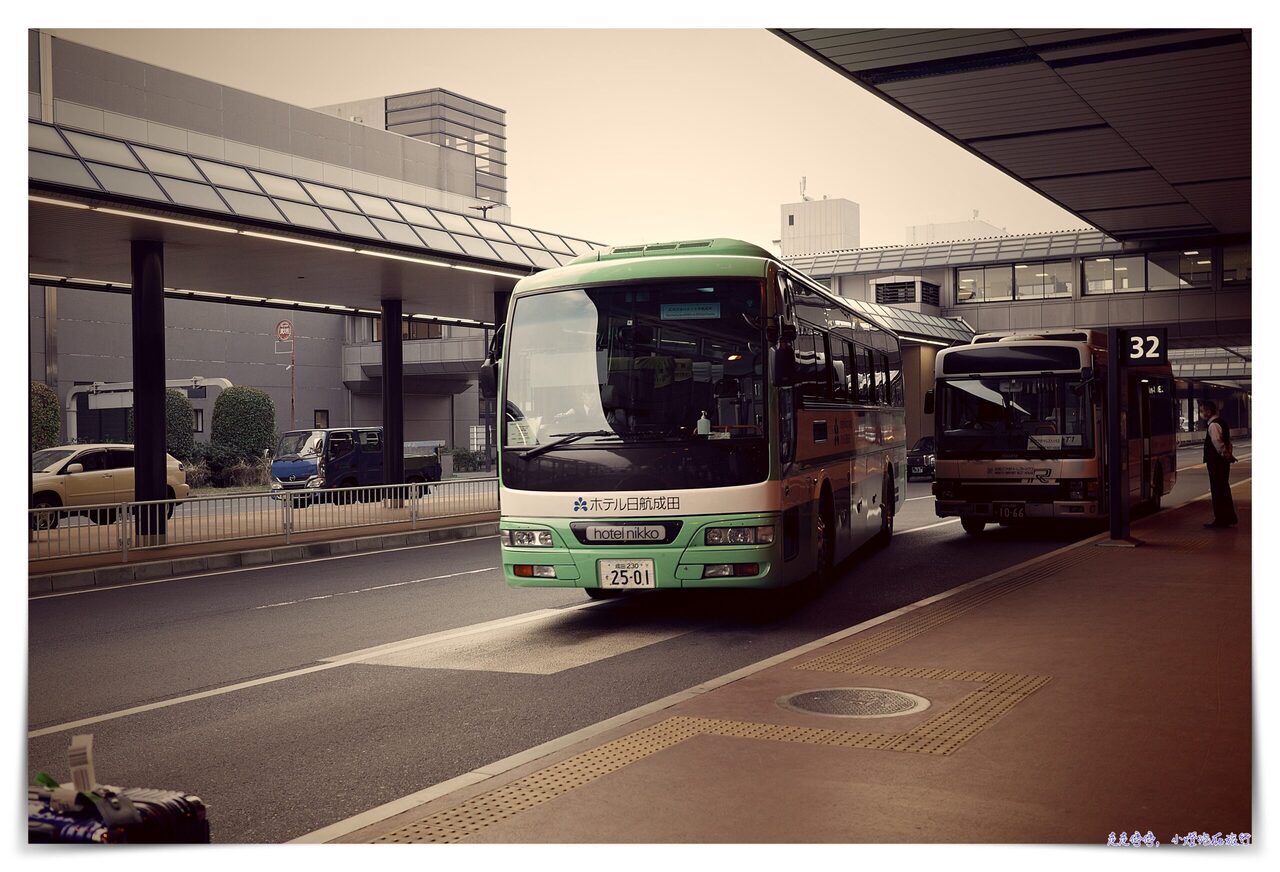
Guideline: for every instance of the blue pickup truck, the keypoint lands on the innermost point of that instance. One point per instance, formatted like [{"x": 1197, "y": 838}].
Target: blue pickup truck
[{"x": 311, "y": 464}]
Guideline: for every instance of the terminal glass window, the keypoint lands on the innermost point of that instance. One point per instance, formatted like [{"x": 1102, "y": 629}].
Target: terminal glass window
[
  {"x": 1237, "y": 264},
  {"x": 970, "y": 286},
  {"x": 1174, "y": 270},
  {"x": 1114, "y": 275},
  {"x": 1038, "y": 281},
  {"x": 984, "y": 284}
]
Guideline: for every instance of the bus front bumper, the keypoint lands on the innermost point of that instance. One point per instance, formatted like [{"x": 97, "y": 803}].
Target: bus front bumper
[
  {"x": 1013, "y": 510},
  {"x": 682, "y": 564}
]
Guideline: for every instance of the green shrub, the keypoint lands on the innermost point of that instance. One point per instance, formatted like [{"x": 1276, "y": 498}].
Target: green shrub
[
  {"x": 45, "y": 423},
  {"x": 178, "y": 421},
  {"x": 244, "y": 421},
  {"x": 198, "y": 475},
  {"x": 467, "y": 461}
]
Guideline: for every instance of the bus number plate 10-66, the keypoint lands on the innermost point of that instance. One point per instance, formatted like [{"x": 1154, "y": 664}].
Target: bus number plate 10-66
[
  {"x": 1009, "y": 511},
  {"x": 626, "y": 574}
]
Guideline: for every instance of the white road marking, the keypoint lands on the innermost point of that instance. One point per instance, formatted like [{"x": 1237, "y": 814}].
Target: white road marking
[
  {"x": 376, "y": 587},
  {"x": 926, "y": 497},
  {"x": 257, "y": 567},
  {"x": 545, "y": 648},
  {"x": 330, "y": 663}
]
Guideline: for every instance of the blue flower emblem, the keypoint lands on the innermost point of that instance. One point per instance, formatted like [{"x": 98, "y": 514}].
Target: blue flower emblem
[{"x": 579, "y": 505}]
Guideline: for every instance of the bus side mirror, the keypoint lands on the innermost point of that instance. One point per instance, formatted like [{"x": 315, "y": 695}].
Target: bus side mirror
[
  {"x": 488, "y": 379},
  {"x": 928, "y": 402},
  {"x": 489, "y": 369},
  {"x": 784, "y": 365}
]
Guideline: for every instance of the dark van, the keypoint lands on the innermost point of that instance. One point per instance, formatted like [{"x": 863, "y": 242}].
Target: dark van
[{"x": 314, "y": 461}]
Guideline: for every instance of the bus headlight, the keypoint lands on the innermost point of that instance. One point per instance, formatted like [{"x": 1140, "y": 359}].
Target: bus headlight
[
  {"x": 526, "y": 538},
  {"x": 738, "y": 535}
]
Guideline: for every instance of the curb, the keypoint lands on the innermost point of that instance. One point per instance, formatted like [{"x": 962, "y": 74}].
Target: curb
[{"x": 111, "y": 576}]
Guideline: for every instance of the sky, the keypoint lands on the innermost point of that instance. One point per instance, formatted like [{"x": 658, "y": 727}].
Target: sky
[{"x": 624, "y": 136}]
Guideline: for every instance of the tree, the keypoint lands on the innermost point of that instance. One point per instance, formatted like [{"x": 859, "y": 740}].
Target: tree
[
  {"x": 178, "y": 422},
  {"x": 243, "y": 422},
  {"x": 45, "y": 423}
]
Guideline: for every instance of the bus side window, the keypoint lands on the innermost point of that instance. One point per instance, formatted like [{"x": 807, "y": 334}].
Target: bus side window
[
  {"x": 866, "y": 376},
  {"x": 839, "y": 369},
  {"x": 811, "y": 366},
  {"x": 886, "y": 392}
]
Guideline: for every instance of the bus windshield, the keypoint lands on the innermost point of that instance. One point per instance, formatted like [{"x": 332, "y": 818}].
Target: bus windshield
[
  {"x": 637, "y": 363},
  {"x": 1039, "y": 415},
  {"x": 669, "y": 378}
]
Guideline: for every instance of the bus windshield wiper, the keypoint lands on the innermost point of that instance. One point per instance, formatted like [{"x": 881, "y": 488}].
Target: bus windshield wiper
[
  {"x": 1037, "y": 442},
  {"x": 565, "y": 438}
]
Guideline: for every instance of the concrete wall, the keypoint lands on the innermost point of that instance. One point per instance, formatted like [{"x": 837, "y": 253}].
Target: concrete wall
[
  {"x": 917, "y": 377},
  {"x": 213, "y": 340},
  {"x": 96, "y": 90},
  {"x": 820, "y": 225}
]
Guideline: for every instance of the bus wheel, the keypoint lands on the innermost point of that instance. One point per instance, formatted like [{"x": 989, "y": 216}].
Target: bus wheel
[
  {"x": 826, "y": 536},
  {"x": 887, "y": 510},
  {"x": 973, "y": 526}
]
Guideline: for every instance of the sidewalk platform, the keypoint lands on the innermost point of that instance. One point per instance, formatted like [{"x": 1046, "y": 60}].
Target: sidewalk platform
[{"x": 1090, "y": 691}]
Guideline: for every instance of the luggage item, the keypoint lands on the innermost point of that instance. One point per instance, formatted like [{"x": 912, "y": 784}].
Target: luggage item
[
  {"x": 85, "y": 811},
  {"x": 134, "y": 815}
]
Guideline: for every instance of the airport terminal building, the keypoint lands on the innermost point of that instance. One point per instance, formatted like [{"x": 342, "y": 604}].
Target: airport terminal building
[{"x": 425, "y": 169}]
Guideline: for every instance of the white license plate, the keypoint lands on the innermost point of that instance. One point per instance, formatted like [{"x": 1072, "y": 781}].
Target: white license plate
[
  {"x": 1005, "y": 511},
  {"x": 626, "y": 574},
  {"x": 917, "y": 469}
]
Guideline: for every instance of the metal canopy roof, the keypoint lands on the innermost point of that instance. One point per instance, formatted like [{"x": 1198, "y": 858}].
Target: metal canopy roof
[
  {"x": 907, "y": 324},
  {"x": 1145, "y": 134},
  {"x": 962, "y": 252},
  {"x": 241, "y": 232}
]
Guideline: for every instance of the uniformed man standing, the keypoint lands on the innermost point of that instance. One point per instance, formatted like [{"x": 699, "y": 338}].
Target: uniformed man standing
[{"x": 1217, "y": 460}]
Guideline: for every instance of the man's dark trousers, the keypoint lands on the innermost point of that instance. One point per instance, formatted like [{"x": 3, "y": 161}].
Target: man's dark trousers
[{"x": 1224, "y": 511}]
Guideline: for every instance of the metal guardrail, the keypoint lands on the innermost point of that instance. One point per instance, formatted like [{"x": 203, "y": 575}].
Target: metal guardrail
[{"x": 120, "y": 527}]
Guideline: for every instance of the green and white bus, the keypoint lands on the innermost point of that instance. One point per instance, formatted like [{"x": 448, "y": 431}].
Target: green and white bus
[{"x": 690, "y": 415}]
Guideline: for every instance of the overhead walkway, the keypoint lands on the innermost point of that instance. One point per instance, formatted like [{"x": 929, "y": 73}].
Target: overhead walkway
[{"x": 1040, "y": 684}]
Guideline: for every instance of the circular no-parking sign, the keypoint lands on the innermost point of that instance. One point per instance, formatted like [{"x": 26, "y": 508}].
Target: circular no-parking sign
[{"x": 284, "y": 331}]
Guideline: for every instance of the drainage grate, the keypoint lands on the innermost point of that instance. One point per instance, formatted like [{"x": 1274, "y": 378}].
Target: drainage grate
[{"x": 854, "y": 702}]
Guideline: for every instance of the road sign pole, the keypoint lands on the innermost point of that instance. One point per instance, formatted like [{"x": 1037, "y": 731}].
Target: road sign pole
[{"x": 293, "y": 383}]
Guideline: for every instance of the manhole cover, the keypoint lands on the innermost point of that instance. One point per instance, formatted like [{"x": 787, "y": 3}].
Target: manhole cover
[{"x": 855, "y": 702}]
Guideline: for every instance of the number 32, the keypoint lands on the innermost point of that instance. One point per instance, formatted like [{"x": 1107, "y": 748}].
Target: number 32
[{"x": 1137, "y": 351}]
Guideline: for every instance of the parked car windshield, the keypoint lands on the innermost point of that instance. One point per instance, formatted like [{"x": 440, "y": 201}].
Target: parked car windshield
[
  {"x": 925, "y": 444},
  {"x": 42, "y": 461}
]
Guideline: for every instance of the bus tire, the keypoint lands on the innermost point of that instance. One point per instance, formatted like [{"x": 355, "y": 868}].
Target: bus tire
[
  {"x": 825, "y": 534},
  {"x": 888, "y": 509},
  {"x": 973, "y": 526}
]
